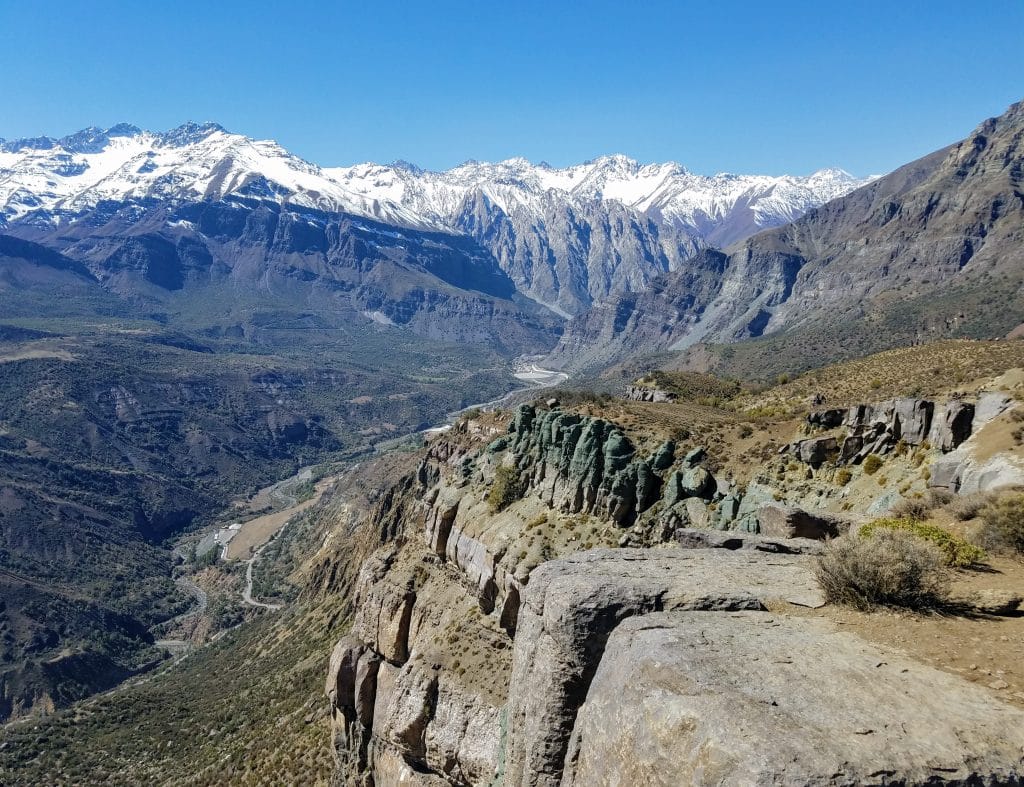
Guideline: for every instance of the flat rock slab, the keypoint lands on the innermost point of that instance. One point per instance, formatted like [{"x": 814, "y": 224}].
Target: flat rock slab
[
  {"x": 697, "y": 538},
  {"x": 752, "y": 698},
  {"x": 694, "y": 578},
  {"x": 571, "y": 605}
]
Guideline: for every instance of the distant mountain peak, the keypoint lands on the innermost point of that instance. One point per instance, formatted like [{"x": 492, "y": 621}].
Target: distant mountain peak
[
  {"x": 615, "y": 161},
  {"x": 407, "y": 166},
  {"x": 191, "y": 133},
  {"x": 123, "y": 130}
]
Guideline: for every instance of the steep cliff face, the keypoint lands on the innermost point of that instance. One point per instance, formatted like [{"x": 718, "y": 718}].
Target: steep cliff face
[
  {"x": 494, "y": 628},
  {"x": 570, "y": 253},
  {"x": 886, "y": 253}
]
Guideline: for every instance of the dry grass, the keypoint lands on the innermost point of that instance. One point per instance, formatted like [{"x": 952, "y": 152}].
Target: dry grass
[
  {"x": 965, "y": 507},
  {"x": 889, "y": 568},
  {"x": 914, "y": 508},
  {"x": 919, "y": 508},
  {"x": 1003, "y": 523},
  {"x": 925, "y": 370},
  {"x": 871, "y": 464}
]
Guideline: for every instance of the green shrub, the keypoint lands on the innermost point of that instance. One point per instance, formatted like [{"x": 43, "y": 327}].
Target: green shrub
[
  {"x": 208, "y": 558},
  {"x": 955, "y": 550},
  {"x": 871, "y": 463},
  {"x": 304, "y": 491},
  {"x": 889, "y": 567},
  {"x": 505, "y": 490},
  {"x": 1003, "y": 523}
]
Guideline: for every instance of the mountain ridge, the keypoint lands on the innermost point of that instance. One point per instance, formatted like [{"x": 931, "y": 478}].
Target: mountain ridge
[
  {"x": 567, "y": 237},
  {"x": 878, "y": 256}
]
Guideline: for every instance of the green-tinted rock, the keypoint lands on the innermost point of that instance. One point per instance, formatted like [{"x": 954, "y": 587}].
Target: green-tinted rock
[
  {"x": 664, "y": 456},
  {"x": 522, "y": 425},
  {"x": 648, "y": 486},
  {"x": 587, "y": 459},
  {"x": 673, "y": 490},
  {"x": 697, "y": 482},
  {"x": 755, "y": 496},
  {"x": 618, "y": 452},
  {"x": 622, "y": 498},
  {"x": 728, "y": 509}
]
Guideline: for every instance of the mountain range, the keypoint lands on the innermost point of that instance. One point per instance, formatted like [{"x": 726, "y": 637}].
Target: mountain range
[
  {"x": 189, "y": 315},
  {"x": 566, "y": 237},
  {"x": 934, "y": 249}
]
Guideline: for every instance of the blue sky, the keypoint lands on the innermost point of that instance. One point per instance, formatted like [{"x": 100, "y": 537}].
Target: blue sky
[{"x": 718, "y": 86}]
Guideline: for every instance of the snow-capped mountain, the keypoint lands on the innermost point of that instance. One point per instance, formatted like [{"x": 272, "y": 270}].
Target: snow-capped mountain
[
  {"x": 46, "y": 179},
  {"x": 566, "y": 237},
  {"x": 698, "y": 204},
  {"x": 569, "y": 237}
]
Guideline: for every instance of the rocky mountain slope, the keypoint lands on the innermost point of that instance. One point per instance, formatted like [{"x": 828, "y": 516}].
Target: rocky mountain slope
[
  {"x": 498, "y": 639},
  {"x": 571, "y": 236},
  {"x": 566, "y": 237},
  {"x": 174, "y": 333},
  {"x": 200, "y": 209},
  {"x": 933, "y": 249},
  {"x": 52, "y": 180},
  {"x": 334, "y": 268}
]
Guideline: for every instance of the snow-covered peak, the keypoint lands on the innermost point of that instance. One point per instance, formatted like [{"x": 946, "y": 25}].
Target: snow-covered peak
[
  {"x": 59, "y": 178},
  {"x": 52, "y": 179},
  {"x": 667, "y": 191}
]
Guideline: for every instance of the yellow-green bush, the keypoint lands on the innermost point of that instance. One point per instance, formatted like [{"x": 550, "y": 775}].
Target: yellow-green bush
[
  {"x": 871, "y": 463},
  {"x": 505, "y": 490},
  {"x": 956, "y": 551}
]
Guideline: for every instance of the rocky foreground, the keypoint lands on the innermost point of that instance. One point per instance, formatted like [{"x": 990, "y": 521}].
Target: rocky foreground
[{"x": 517, "y": 638}]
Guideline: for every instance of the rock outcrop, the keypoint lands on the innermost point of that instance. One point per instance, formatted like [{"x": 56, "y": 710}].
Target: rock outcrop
[
  {"x": 473, "y": 661},
  {"x": 755, "y": 698},
  {"x": 641, "y": 393},
  {"x": 580, "y": 464},
  {"x": 970, "y": 467},
  {"x": 780, "y": 521},
  {"x": 878, "y": 428},
  {"x": 573, "y": 605}
]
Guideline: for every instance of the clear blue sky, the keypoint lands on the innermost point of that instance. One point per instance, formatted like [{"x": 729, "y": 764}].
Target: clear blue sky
[{"x": 740, "y": 86}]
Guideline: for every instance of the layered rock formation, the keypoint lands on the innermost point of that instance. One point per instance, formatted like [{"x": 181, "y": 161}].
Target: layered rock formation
[
  {"x": 436, "y": 284},
  {"x": 479, "y": 656},
  {"x": 865, "y": 429},
  {"x": 755, "y": 698},
  {"x": 641, "y": 393}
]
